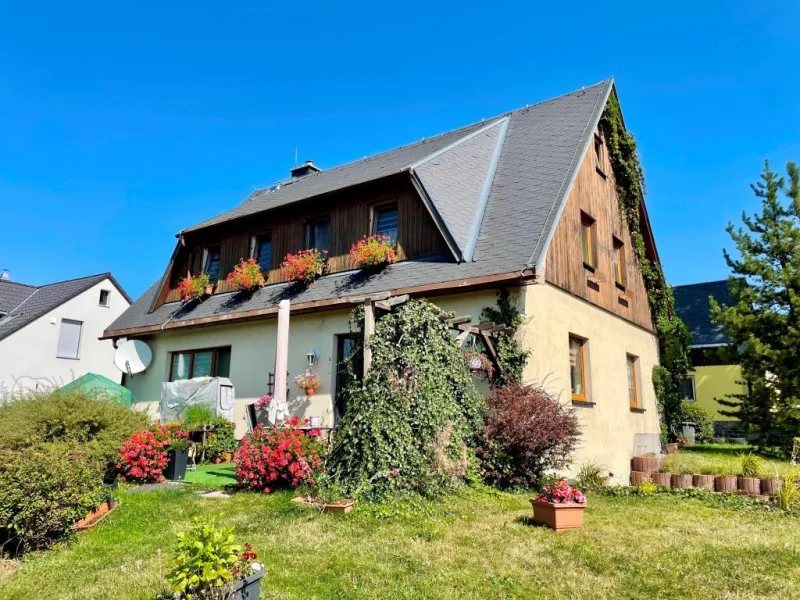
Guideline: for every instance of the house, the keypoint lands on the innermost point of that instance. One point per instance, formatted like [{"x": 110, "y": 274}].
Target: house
[
  {"x": 525, "y": 201},
  {"x": 715, "y": 374},
  {"x": 50, "y": 334}
]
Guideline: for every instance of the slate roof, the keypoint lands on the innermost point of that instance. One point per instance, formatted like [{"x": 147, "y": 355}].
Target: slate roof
[
  {"x": 496, "y": 186},
  {"x": 691, "y": 305},
  {"x": 26, "y": 303}
]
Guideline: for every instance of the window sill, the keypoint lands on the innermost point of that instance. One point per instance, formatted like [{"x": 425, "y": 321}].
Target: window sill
[
  {"x": 620, "y": 287},
  {"x": 584, "y": 403},
  {"x": 589, "y": 268},
  {"x": 638, "y": 410},
  {"x": 69, "y": 357}
]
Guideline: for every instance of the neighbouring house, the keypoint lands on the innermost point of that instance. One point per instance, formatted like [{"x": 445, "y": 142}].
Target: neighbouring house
[
  {"x": 50, "y": 334},
  {"x": 525, "y": 201},
  {"x": 715, "y": 375}
]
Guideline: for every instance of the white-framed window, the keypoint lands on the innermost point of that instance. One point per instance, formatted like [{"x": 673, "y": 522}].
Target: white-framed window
[
  {"x": 104, "y": 297},
  {"x": 689, "y": 389},
  {"x": 69, "y": 339}
]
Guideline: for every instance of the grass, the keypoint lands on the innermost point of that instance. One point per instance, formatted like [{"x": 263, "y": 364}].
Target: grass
[
  {"x": 720, "y": 459},
  {"x": 212, "y": 476},
  {"x": 478, "y": 545}
]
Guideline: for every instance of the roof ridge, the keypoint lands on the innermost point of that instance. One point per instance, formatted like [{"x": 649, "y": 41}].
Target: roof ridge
[
  {"x": 106, "y": 274},
  {"x": 30, "y": 285},
  {"x": 726, "y": 280}
]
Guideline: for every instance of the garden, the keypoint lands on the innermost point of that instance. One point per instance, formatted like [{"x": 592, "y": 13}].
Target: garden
[{"x": 427, "y": 489}]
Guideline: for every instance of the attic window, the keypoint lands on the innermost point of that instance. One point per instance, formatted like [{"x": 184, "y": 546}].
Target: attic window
[
  {"x": 104, "y": 294},
  {"x": 599, "y": 155},
  {"x": 588, "y": 241},
  {"x": 262, "y": 251},
  {"x": 384, "y": 221},
  {"x": 211, "y": 262},
  {"x": 317, "y": 234}
]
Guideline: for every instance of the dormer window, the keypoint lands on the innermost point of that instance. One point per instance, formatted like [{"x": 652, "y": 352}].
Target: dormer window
[
  {"x": 211, "y": 262},
  {"x": 317, "y": 234},
  {"x": 384, "y": 221},
  {"x": 262, "y": 251}
]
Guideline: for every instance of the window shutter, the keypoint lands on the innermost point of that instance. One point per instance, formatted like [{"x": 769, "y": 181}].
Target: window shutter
[{"x": 69, "y": 339}]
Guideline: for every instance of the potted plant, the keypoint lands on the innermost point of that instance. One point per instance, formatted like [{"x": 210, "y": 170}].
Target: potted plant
[
  {"x": 308, "y": 381},
  {"x": 304, "y": 266},
  {"x": 373, "y": 251},
  {"x": 177, "y": 450},
  {"x": 559, "y": 507},
  {"x": 209, "y": 564},
  {"x": 246, "y": 276},
  {"x": 478, "y": 361},
  {"x": 221, "y": 443},
  {"x": 194, "y": 288}
]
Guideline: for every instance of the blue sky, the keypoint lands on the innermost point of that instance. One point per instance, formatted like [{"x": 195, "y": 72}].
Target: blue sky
[{"x": 121, "y": 124}]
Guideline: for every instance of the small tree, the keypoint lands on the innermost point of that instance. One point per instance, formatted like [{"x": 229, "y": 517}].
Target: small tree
[{"x": 763, "y": 324}]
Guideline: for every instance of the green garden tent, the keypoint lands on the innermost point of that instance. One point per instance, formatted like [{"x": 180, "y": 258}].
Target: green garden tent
[{"x": 103, "y": 387}]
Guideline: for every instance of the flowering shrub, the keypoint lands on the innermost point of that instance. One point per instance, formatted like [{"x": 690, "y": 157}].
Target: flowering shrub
[
  {"x": 305, "y": 266},
  {"x": 527, "y": 433},
  {"x": 309, "y": 379},
  {"x": 174, "y": 434},
  {"x": 561, "y": 493},
  {"x": 373, "y": 250},
  {"x": 481, "y": 359},
  {"x": 280, "y": 456},
  {"x": 193, "y": 288},
  {"x": 263, "y": 402},
  {"x": 143, "y": 457},
  {"x": 246, "y": 275}
]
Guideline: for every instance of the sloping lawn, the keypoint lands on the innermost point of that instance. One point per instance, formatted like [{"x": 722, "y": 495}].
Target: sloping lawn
[
  {"x": 480, "y": 545},
  {"x": 721, "y": 459}
]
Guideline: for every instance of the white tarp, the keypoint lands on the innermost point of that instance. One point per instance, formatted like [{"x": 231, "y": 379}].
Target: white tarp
[{"x": 215, "y": 392}]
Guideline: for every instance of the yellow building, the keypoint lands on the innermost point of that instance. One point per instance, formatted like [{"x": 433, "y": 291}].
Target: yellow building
[{"x": 714, "y": 376}]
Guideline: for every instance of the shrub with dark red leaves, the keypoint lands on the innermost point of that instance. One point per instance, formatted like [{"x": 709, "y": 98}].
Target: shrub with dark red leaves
[
  {"x": 142, "y": 457},
  {"x": 527, "y": 433},
  {"x": 276, "y": 457}
]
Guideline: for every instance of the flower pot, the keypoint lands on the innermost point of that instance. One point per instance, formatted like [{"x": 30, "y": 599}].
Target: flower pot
[
  {"x": 681, "y": 481},
  {"x": 638, "y": 477},
  {"x": 703, "y": 482},
  {"x": 342, "y": 506},
  {"x": 97, "y": 515},
  {"x": 725, "y": 484},
  {"x": 248, "y": 588},
  {"x": 750, "y": 485},
  {"x": 560, "y": 517},
  {"x": 209, "y": 289},
  {"x": 662, "y": 479},
  {"x": 770, "y": 486},
  {"x": 645, "y": 464},
  {"x": 311, "y": 391},
  {"x": 176, "y": 465},
  {"x": 671, "y": 448}
]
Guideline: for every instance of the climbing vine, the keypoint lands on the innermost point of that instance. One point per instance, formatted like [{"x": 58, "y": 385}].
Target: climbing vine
[
  {"x": 511, "y": 357},
  {"x": 674, "y": 336}
]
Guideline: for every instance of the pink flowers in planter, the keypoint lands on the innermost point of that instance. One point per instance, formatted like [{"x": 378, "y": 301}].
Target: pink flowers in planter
[
  {"x": 478, "y": 361},
  {"x": 561, "y": 493},
  {"x": 308, "y": 380},
  {"x": 263, "y": 402},
  {"x": 246, "y": 275},
  {"x": 304, "y": 266},
  {"x": 373, "y": 251},
  {"x": 193, "y": 288}
]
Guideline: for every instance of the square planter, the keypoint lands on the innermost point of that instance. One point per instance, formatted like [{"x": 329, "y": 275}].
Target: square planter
[
  {"x": 176, "y": 466},
  {"x": 248, "y": 588},
  {"x": 662, "y": 479},
  {"x": 681, "y": 482},
  {"x": 559, "y": 517},
  {"x": 703, "y": 482},
  {"x": 770, "y": 486},
  {"x": 750, "y": 485},
  {"x": 725, "y": 484}
]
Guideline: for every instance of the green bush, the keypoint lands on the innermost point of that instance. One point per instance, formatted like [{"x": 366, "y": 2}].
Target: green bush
[
  {"x": 221, "y": 440},
  {"x": 704, "y": 422},
  {"x": 196, "y": 416},
  {"x": 44, "y": 490},
  {"x": 77, "y": 416}
]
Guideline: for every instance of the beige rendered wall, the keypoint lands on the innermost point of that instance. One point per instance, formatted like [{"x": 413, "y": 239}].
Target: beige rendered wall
[
  {"x": 609, "y": 427},
  {"x": 28, "y": 356},
  {"x": 253, "y": 356}
]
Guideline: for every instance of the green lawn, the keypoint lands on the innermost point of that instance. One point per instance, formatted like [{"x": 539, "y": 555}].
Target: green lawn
[
  {"x": 720, "y": 459},
  {"x": 479, "y": 545},
  {"x": 212, "y": 476}
]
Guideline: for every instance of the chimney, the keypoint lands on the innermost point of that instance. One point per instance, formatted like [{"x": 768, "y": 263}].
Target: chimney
[
  {"x": 306, "y": 168},
  {"x": 4, "y": 276}
]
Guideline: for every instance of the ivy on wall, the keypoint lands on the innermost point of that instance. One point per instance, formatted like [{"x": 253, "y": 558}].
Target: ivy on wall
[
  {"x": 674, "y": 337},
  {"x": 511, "y": 357}
]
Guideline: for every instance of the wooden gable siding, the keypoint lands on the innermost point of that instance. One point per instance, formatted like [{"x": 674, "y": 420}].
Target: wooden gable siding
[
  {"x": 595, "y": 195},
  {"x": 350, "y": 215}
]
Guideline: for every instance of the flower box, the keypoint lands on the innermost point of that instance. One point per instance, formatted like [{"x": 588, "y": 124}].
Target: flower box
[
  {"x": 305, "y": 266},
  {"x": 342, "y": 506},
  {"x": 725, "y": 484},
  {"x": 97, "y": 515},
  {"x": 246, "y": 276},
  {"x": 559, "y": 516},
  {"x": 373, "y": 251},
  {"x": 194, "y": 288}
]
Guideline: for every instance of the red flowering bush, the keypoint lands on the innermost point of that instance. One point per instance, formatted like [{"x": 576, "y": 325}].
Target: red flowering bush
[
  {"x": 305, "y": 266},
  {"x": 280, "y": 456},
  {"x": 174, "y": 434},
  {"x": 561, "y": 493},
  {"x": 246, "y": 275},
  {"x": 193, "y": 288},
  {"x": 373, "y": 250},
  {"x": 527, "y": 432},
  {"x": 142, "y": 457}
]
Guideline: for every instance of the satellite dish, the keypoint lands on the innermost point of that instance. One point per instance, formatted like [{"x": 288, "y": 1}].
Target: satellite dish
[{"x": 133, "y": 356}]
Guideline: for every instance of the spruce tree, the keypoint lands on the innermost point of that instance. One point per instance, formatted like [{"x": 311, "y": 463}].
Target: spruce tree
[{"x": 763, "y": 324}]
